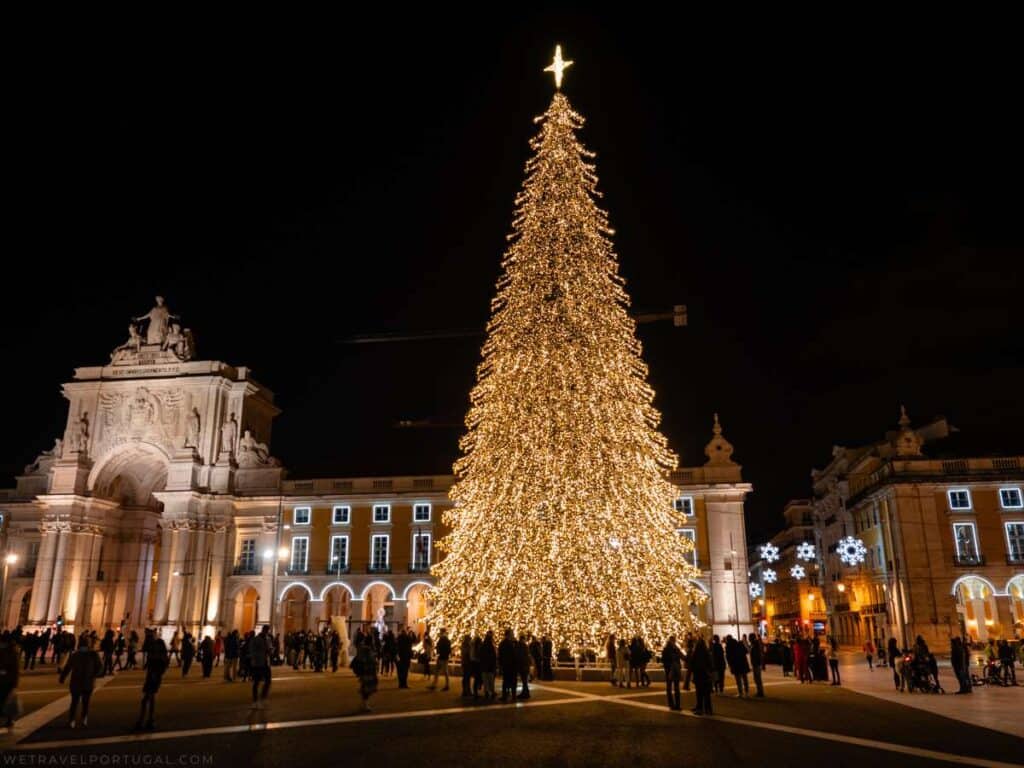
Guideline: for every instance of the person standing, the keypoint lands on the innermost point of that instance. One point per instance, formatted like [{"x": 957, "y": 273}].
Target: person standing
[
  {"x": 157, "y": 661},
  {"x": 365, "y": 667},
  {"x": 465, "y": 662},
  {"x": 609, "y": 650},
  {"x": 622, "y": 663},
  {"x": 206, "y": 656},
  {"x": 335, "y": 650},
  {"x": 547, "y": 652},
  {"x": 404, "y": 645},
  {"x": 523, "y": 666},
  {"x": 10, "y": 669},
  {"x": 427, "y": 653},
  {"x": 672, "y": 661},
  {"x": 507, "y": 661},
  {"x": 133, "y": 647},
  {"x": 259, "y": 666},
  {"x": 444, "y": 652},
  {"x": 869, "y": 654},
  {"x": 218, "y": 648},
  {"x": 833, "y": 663},
  {"x": 757, "y": 663},
  {"x": 488, "y": 665},
  {"x": 687, "y": 652},
  {"x": 956, "y": 661},
  {"x": 536, "y": 656},
  {"x": 736, "y": 658},
  {"x": 107, "y": 648},
  {"x": 717, "y": 665},
  {"x": 188, "y": 653},
  {"x": 700, "y": 666},
  {"x": 892, "y": 657},
  {"x": 84, "y": 666},
  {"x": 231, "y": 656},
  {"x": 1006, "y": 662},
  {"x": 176, "y": 647}
]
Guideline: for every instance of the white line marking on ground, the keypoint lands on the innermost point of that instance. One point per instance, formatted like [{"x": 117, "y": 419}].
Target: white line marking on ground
[
  {"x": 930, "y": 754},
  {"x": 33, "y": 721},
  {"x": 256, "y": 727}
]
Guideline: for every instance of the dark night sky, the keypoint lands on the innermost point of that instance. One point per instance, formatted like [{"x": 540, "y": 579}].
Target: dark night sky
[{"x": 842, "y": 215}]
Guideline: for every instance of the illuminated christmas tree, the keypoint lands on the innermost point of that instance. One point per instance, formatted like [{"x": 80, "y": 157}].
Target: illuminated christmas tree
[{"x": 563, "y": 520}]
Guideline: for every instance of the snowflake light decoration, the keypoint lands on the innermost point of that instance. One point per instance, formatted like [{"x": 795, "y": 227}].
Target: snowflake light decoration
[
  {"x": 755, "y": 589},
  {"x": 797, "y": 572},
  {"x": 851, "y": 551},
  {"x": 769, "y": 553},
  {"x": 805, "y": 551},
  {"x": 769, "y": 576}
]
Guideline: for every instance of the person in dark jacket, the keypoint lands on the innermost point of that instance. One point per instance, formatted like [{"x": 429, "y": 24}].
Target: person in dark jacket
[
  {"x": 756, "y": 662},
  {"x": 444, "y": 653},
  {"x": 700, "y": 667},
  {"x": 157, "y": 661},
  {"x": 547, "y": 652},
  {"x": 231, "y": 651},
  {"x": 893, "y": 656},
  {"x": 188, "y": 653},
  {"x": 107, "y": 648},
  {"x": 206, "y": 655},
  {"x": 688, "y": 651},
  {"x": 537, "y": 656},
  {"x": 523, "y": 666},
  {"x": 672, "y": 661},
  {"x": 488, "y": 665},
  {"x": 956, "y": 660},
  {"x": 736, "y": 658},
  {"x": 507, "y": 662},
  {"x": 84, "y": 666},
  {"x": 404, "y": 644},
  {"x": 9, "y": 672},
  {"x": 717, "y": 665}
]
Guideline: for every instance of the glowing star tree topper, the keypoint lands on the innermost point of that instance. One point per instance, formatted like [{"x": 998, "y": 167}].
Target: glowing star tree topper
[
  {"x": 563, "y": 521},
  {"x": 558, "y": 67}
]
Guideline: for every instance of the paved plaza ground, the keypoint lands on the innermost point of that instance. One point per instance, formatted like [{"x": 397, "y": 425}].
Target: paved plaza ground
[{"x": 315, "y": 719}]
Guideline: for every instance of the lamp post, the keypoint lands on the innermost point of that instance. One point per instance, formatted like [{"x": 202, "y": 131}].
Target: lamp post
[{"x": 9, "y": 559}]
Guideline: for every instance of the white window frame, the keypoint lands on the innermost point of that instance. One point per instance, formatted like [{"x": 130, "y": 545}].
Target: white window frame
[
  {"x": 679, "y": 503},
  {"x": 416, "y": 535},
  {"x": 415, "y": 509},
  {"x": 251, "y": 564},
  {"x": 1018, "y": 556},
  {"x": 295, "y": 515},
  {"x": 974, "y": 535},
  {"x": 339, "y": 537},
  {"x": 953, "y": 507},
  {"x": 348, "y": 514},
  {"x": 373, "y": 551},
  {"x": 1012, "y": 489},
  {"x": 305, "y": 554},
  {"x": 373, "y": 513},
  {"x": 687, "y": 532}
]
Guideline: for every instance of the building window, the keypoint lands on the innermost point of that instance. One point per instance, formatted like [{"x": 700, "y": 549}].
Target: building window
[
  {"x": 382, "y": 513},
  {"x": 959, "y": 499},
  {"x": 379, "y": 552},
  {"x": 301, "y": 516},
  {"x": 966, "y": 537},
  {"x": 420, "y": 551},
  {"x": 684, "y": 506},
  {"x": 342, "y": 514},
  {"x": 1015, "y": 542},
  {"x": 421, "y": 513},
  {"x": 247, "y": 555},
  {"x": 300, "y": 554},
  {"x": 1010, "y": 498},
  {"x": 339, "y": 553},
  {"x": 691, "y": 534}
]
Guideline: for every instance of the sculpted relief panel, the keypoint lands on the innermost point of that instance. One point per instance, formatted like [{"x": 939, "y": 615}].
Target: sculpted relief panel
[{"x": 154, "y": 415}]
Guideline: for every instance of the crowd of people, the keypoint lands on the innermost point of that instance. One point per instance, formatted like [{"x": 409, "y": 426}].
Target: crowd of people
[{"x": 379, "y": 652}]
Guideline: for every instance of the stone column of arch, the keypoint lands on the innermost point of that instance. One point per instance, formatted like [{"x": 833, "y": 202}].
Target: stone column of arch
[
  {"x": 176, "y": 587},
  {"x": 43, "y": 580},
  {"x": 213, "y": 608},
  {"x": 168, "y": 547},
  {"x": 57, "y": 584},
  {"x": 83, "y": 554}
]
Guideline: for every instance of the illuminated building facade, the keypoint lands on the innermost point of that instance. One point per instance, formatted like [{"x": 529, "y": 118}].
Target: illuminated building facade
[
  {"x": 161, "y": 505},
  {"x": 914, "y": 545}
]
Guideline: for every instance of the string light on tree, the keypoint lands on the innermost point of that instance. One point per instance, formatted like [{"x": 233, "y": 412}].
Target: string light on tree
[
  {"x": 769, "y": 553},
  {"x": 769, "y": 576},
  {"x": 563, "y": 520},
  {"x": 755, "y": 589},
  {"x": 851, "y": 551},
  {"x": 797, "y": 572},
  {"x": 805, "y": 551}
]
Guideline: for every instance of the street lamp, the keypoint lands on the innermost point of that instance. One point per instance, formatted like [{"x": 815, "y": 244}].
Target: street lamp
[{"x": 10, "y": 559}]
